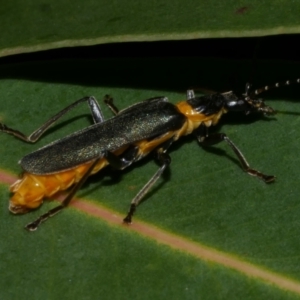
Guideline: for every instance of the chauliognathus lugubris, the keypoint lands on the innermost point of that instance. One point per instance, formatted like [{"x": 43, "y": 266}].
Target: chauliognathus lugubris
[{"x": 152, "y": 125}]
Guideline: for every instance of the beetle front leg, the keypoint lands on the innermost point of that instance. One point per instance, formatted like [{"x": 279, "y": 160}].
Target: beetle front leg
[
  {"x": 209, "y": 140},
  {"x": 93, "y": 105}
]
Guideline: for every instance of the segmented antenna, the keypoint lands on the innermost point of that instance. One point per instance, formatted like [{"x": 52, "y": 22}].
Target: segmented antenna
[{"x": 276, "y": 85}]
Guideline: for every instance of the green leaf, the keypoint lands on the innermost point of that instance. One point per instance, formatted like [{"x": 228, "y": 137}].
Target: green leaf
[
  {"x": 28, "y": 26},
  {"x": 205, "y": 198}
]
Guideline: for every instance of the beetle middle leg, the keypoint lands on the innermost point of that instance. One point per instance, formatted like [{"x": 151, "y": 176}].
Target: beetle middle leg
[
  {"x": 123, "y": 161},
  {"x": 33, "y": 137},
  {"x": 164, "y": 160},
  {"x": 131, "y": 155},
  {"x": 209, "y": 140}
]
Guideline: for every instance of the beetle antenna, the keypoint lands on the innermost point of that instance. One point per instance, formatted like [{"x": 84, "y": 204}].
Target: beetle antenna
[{"x": 276, "y": 85}]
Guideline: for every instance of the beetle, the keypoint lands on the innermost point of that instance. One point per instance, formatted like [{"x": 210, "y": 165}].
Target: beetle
[{"x": 131, "y": 134}]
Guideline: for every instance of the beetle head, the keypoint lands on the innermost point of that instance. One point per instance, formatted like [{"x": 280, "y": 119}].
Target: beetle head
[{"x": 248, "y": 102}]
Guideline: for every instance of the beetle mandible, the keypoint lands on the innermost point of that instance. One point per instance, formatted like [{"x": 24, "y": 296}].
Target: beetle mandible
[{"x": 131, "y": 134}]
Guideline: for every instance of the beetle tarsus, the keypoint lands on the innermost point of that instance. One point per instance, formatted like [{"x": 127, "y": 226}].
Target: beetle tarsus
[
  {"x": 52, "y": 212},
  {"x": 128, "y": 218},
  {"x": 269, "y": 178},
  {"x": 265, "y": 178},
  {"x": 32, "y": 226}
]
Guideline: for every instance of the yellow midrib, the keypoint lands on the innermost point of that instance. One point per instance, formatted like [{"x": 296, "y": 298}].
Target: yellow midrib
[{"x": 180, "y": 243}]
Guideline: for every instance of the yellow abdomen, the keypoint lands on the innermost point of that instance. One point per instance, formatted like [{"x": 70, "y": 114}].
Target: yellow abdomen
[{"x": 31, "y": 189}]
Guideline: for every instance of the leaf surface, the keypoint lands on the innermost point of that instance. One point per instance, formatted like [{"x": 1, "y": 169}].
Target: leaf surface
[{"x": 205, "y": 197}]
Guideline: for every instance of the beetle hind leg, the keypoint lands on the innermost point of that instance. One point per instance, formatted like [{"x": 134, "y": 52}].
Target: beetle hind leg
[
  {"x": 33, "y": 137},
  {"x": 52, "y": 212}
]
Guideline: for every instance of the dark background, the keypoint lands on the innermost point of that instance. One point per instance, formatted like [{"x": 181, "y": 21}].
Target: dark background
[
  {"x": 211, "y": 64},
  {"x": 284, "y": 47}
]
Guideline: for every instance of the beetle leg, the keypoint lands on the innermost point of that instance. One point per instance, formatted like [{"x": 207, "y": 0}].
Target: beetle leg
[
  {"x": 123, "y": 161},
  {"x": 109, "y": 101},
  {"x": 190, "y": 94},
  {"x": 164, "y": 160},
  {"x": 94, "y": 107},
  {"x": 209, "y": 140},
  {"x": 52, "y": 212}
]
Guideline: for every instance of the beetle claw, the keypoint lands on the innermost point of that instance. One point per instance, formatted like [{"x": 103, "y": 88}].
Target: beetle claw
[{"x": 127, "y": 219}]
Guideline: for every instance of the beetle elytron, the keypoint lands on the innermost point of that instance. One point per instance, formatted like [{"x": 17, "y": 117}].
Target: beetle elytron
[{"x": 151, "y": 125}]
